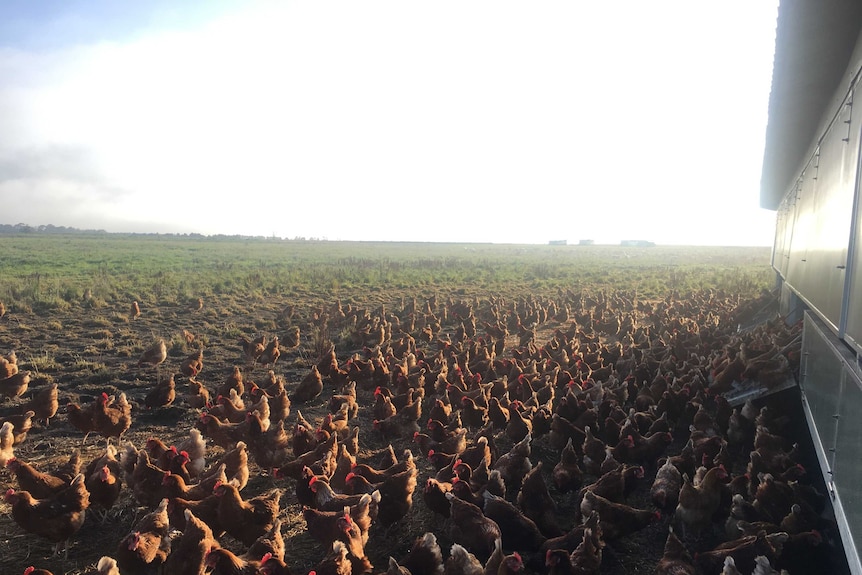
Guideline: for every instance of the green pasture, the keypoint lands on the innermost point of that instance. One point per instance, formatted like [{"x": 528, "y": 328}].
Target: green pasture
[{"x": 44, "y": 272}]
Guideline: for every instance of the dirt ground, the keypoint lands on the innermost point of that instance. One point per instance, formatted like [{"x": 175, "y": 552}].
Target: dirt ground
[{"x": 90, "y": 351}]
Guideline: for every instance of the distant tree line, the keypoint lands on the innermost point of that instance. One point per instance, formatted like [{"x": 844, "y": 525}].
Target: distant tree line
[
  {"x": 44, "y": 229},
  {"x": 17, "y": 229}
]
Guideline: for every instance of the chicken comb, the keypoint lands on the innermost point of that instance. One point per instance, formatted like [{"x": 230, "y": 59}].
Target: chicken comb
[
  {"x": 313, "y": 480},
  {"x": 105, "y": 396},
  {"x": 266, "y": 557},
  {"x": 218, "y": 484},
  {"x": 29, "y": 570},
  {"x": 349, "y": 476}
]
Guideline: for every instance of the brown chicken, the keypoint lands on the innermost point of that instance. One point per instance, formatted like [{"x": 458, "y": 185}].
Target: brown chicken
[
  {"x": 81, "y": 418},
  {"x": 44, "y": 404},
  {"x": 39, "y": 484},
  {"x": 252, "y": 349},
  {"x": 104, "y": 480},
  {"x": 535, "y": 501},
  {"x": 221, "y": 561},
  {"x": 336, "y": 562},
  {"x": 471, "y": 528},
  {"x": 462, "y": 562},
  {"x": 515, "y": 464},
  {"x": 665, "y": 488},
  {"x": 225, "y": 435},
  {"x": 154, "y": 355},
  {"x": 246, "y": 520},
  {"x": 425, "y": 557},
  {"x": 57, "y": 518},
  {"x": 7, "y": 442},
  {"x": 197, "y": 396},
  {"x": 192, "y": 364},
  {"x": 145, "y": 549},
  {"x": 517, "y": 530},
  {"x": 567, "y": 474},
  {"x": 270, "y": 353},
  {"x": 676, "y": 559},
  {"x": 697, "y": 504},
  {"x": 22, "y": 423},
  {"x": 112, "y": 420},
  {"x": 15, "y": 385},
  {"x": 309, "y": 387},
  {"x": 617, "y": 519},
  {"x": 162, "y": 394},
  {"x": 189, "y": 550}
]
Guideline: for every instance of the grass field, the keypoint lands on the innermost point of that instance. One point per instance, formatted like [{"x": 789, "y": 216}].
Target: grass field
[
  {"x": 43, "y": 273},
  {"x": 68, "y": 321}
]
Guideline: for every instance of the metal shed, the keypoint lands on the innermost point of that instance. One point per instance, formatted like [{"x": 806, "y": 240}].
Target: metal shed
[{"x": 811, "y": 178}]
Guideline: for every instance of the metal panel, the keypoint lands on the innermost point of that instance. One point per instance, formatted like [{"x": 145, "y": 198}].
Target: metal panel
[
  {"x": 803, "y": 227},
  {"x": 784, "y": 232},
  {"x": 853, "y": 310},
  {"x": 823, "y": 284},
  {"x": 832, "y": 400}
]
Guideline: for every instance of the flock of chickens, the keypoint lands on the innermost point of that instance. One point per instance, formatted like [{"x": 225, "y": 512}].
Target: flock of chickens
[{"x": 526, "y": 453}]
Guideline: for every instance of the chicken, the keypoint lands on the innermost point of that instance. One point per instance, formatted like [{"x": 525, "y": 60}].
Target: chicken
[
  {"x": 22, "y": 423},
  {"x": 81, "y": 418},
  {"x": 15, "y": 385},
  {"x": 246, "y": 520},
  {"x": 206, "y": 510},
  {"x": 336, "y": 561},
  {"x": 145, "y": 481},
  {"x": 665, "y": 488},
  {"x": 425, "y": 557},
  {"x": 743, "y": 551},
  {"x": 57, "y": 518},
  {"x": 142, "y": 552},
  {"x": 221, "y": 561},
  {"x": 309, "y": 387},
  {"x": 471, "y": 528},
  {"x": 162, "y": 395},
  {"x": 536, "y": 502},
  {"x": 515, "y": 464},
  {"x": 104, "y": 484},
  {"x": 253, "y": 349},
  {"x": 326, "y": 527},
  {"x": 462, "y": 562},
  {"x": 567, "y": 474},
  {"x": 7, "y": 441},
  {"x": 270, "y": 353},
  {"x": 271, "y": 543},
  {"x": 195, "y": 445},
  {"x": 233, "y": 381},
  {"x": 617, "y": 484},
  {"x": 154, "y": 355},
  {"x": 197, "y": 396},
  {"x": 189, "y": 550},
  {"x": 616, "y": 519},
  {"x": 112, "y": 421},
  {"x": 39, "y": 484},
  {"x": 225, "y": 435},
  {"x": 697, "y": 504},
  {"x": 174, "y": 485},
  {"x": 134, "y": 310},
  {"x": 517, "y": 530},
  {"x": 434, "y": 496},
  {"x": 44, "y": 404},
  {"x": 676, "y": 559},
  {"x": 192, "y": 364}
]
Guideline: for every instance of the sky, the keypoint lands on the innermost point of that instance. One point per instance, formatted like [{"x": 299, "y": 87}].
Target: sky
[{"x": 462, "y": 121}]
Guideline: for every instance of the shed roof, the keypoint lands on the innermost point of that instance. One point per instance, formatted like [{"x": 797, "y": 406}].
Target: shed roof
[{"x": 814, "y": 42}]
